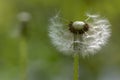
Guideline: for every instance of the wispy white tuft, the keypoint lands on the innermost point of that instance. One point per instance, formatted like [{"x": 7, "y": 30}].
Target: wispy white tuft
[{"x": 92, "y": 40}]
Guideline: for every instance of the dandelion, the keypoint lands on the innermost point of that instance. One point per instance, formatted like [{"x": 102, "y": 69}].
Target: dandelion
[
  {"x": 23, "y": 18},
  {"x": 83, "y": 37},
  {"x": 79, "y": 37}
]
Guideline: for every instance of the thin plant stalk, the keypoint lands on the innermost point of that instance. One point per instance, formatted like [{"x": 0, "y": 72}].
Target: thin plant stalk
[
  {"x": 23, "y": 58},
  {"x": 77, "y": 38},
  {"x": 23, "y": 50},
  {"x": 76, "y": 67}
]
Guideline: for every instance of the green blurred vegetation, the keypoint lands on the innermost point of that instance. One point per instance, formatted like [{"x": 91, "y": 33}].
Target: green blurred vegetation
[{"x": 44, "y": 61}]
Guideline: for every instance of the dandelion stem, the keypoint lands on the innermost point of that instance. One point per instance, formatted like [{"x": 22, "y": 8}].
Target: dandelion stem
[
  {"x": 76, "y": 66},
  {"x": 77, "y": 37},
  {"x": 23, "y": 58}
]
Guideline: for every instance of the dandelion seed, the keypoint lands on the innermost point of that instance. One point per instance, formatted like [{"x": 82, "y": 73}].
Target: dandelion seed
[{"x": 84, "y": 37}]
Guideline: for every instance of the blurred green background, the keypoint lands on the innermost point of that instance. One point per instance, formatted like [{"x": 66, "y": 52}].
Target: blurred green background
[{"x": 44, "y": 61}]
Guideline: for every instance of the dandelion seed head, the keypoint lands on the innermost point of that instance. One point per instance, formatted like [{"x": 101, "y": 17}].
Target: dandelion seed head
[
  {"x": 78, "y": 25},
  {"x": 89, "y": 40},
  {"x": 24, "y": 16}
]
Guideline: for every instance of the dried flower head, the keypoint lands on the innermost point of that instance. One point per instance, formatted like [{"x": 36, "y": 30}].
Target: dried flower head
[
  {"x": 83, "y": 37},
  {"x": 21, "y": 28},
  {"x": 24, "y": 16}
]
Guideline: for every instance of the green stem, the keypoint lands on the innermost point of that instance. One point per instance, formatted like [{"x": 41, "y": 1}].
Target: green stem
[
  {"x": 23, "y": 58},
  {"x": 76, "y": 66}
]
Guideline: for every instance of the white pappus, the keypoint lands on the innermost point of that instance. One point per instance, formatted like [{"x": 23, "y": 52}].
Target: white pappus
[{"x": 89, "y": 36}]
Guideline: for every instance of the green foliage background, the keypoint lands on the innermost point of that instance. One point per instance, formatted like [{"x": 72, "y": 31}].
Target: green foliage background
[{"x": 44, "y": 61}]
